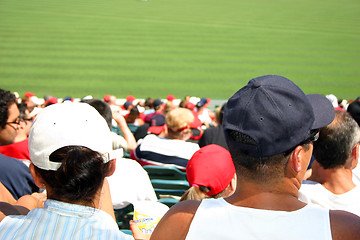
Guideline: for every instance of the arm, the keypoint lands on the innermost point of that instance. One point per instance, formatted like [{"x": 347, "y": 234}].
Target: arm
[
  {"x": 105, "y": 203},
  {"x": 344, "y": 225},
  {"x": 129, "y": 137},
  {"x": 176, "y": 222},
  {"x": 23, "y": 205},
  {"x": 5, "y": 195}
]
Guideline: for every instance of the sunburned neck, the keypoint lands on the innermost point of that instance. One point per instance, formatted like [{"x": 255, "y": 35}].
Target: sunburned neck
[
  {"x": 280, "y": 197},
  {"x": 331, "y": 181}
]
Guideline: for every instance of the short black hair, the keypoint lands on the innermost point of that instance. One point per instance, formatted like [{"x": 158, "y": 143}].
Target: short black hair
[
  {"x": 103, "y": 108},
  {"x": 6, "y": 100}
]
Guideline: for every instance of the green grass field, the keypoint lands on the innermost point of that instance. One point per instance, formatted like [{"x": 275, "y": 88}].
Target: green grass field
[{"x": 157, "y": 47}]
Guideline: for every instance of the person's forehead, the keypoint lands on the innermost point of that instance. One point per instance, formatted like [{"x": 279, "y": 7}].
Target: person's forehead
[{"x": 13, "y": 112}]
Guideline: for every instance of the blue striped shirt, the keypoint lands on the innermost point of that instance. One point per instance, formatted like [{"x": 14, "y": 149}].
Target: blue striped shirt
[{"x": 59, "y": 220}]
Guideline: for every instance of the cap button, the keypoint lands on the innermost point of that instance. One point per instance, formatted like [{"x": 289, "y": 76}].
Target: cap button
[{"x": 256, "y": 84}]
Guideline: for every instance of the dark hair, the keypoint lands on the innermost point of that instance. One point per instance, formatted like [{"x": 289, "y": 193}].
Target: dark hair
[
  {"x": 149, "y": 102},
  {"x": 258, "y": 169},
  {"x": 133, "y": 115},
  {"x": 6, "y": 100},
  {"x": 220, "y": 114},
  {"x": 103, "y": 108},
  {"x": 79, "y": 177},
  {"x": 336, "y": 141},
  {"x": 199, "y": 193},
  {"x": 22, "y": 108}
]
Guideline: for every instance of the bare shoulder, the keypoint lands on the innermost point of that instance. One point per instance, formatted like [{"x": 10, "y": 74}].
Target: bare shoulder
[
  {"x": 176, "y": 222},
  {"x": 344, "y": 225}
]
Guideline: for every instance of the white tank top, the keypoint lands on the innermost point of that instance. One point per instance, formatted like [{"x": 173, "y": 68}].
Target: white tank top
[{"x": 217, "y": 219}]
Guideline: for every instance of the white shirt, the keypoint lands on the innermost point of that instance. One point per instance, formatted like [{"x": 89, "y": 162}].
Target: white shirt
[
  {"x": 314, "y": 193},
  {"x": 356, "y": 175},
  {"x": 217, "y": 219},
  {"x": 130, "y": 183}
]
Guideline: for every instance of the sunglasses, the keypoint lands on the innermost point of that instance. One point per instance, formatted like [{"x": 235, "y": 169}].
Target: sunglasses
[
  {"x": 17, "y": 121},
  {"x": 312, "y": 137}
]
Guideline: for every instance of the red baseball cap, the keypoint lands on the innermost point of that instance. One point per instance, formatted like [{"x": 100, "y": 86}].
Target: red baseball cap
[
  {"x": 211, "y": 166},
  {"x": 157, "y": 124},
  {"x": 29, "y": 94},
  {"x": 130, "y": 98},
  {"x": 170, "y": 97},
  {"x": 190, "y": 105},
  {"x": 107, "y": 98}
]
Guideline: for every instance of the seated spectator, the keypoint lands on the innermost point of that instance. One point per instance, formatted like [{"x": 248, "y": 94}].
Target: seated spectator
[
  {"x": 14, "y": 174},
  {"x": 71, "y": 153},
  {"x": 269, "y": 126},
  {"x": 170, "y": 97},
  {"x": 130, "y": 98},
  {"x": 173, "y": 149},
  {"x": 28, "y": 99},
  {"x": 134, "y": 118},
  {"x": 127, "y": 142},
  {"x": 205, "y": 115},
  {"x": 158, "y": 106},
  {"x": 122, "y": 191},
  {"x": 336, "y": 153},
  {"x": 354, "y": 110},
  {"x": 20, "y": 148},
  {"x": 126, "y": 108},
  {"x": 211, "y": 174},
  {"x": 334, "y": 101},
  {"x": 156, "y": 126},
  {"x": 215, "y": 135},
  {"x": 149, "y": 107}
]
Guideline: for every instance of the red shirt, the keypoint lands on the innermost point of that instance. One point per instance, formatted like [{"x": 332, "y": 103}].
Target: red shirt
[{"x": 19, "y": 150}]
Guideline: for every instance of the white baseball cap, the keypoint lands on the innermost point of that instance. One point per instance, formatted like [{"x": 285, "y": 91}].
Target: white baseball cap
[{"x": 69, "y": 124}]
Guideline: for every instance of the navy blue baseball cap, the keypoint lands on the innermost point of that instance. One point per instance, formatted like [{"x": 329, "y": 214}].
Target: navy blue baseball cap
[{"x": 271, "y": 115}]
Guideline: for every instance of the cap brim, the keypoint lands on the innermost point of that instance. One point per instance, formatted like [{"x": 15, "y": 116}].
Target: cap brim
[
  {"x": 323, "y": 110},
  {"x": 156, "y": 129}
]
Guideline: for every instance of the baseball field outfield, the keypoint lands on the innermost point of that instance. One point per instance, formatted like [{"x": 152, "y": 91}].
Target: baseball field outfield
[{"x": 205, "y": 48}]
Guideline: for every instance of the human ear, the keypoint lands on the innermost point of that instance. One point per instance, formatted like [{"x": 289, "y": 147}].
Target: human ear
[
  {"x": 38, "y": 180},
  {"x": 297, "y": 158},
  {"x": 112, "y": 168},
  {"x": 355, "y": 156},
  {"x": 233, "y": 183}
]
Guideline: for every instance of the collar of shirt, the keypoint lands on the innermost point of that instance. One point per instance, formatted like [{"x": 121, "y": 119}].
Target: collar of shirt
[{"x": 69, "y": 209}]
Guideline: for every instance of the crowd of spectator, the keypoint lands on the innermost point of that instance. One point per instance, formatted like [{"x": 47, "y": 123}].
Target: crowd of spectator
[{"x": 267, "y": 161}]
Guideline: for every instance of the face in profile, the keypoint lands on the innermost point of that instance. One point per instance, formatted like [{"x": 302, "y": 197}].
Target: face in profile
[{"x": 8, "y": 133}]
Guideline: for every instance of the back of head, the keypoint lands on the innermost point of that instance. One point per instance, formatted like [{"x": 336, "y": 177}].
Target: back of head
[
  {"x": 70, "y": 146},
  {"x": 209, "y": 172},
  {"x": 157, "y": 104},
  {"x": 354, "y": 110},
  {"x": 219, "y": 114},
  {"x": 179, "y": 120},
  {"x": 6, "y": 100},
  {"x": 336, "y": 141},
  {"x": 103, "y": 108},
  {"x": 133, "y": 115},
  {"x": 268, "y": 117}
]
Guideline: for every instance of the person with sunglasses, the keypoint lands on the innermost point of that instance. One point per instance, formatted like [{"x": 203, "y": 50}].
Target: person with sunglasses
[
  {"x": 71, "y": 151},
  {"x": 14, "y": 174},
  {"x": 19, "y": 149},
  {"x": 269, "y": 126},
  {"x": 336, "y": 154}
]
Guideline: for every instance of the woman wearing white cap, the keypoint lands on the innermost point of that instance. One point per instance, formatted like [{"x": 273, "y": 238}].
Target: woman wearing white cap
[{"x": 71, "y": 155}]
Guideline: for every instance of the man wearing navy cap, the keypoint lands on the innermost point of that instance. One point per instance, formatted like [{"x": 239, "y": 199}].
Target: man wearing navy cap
[{"x": 270, "y": 126}]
